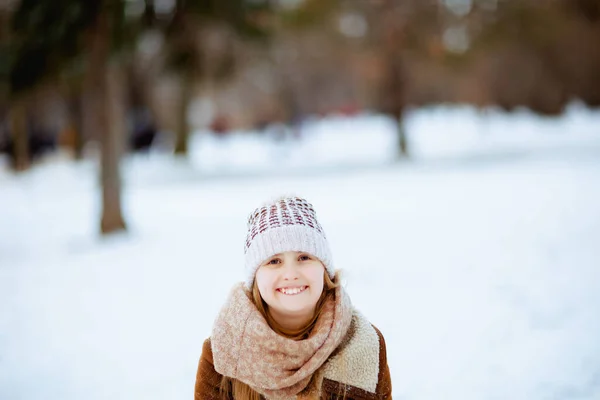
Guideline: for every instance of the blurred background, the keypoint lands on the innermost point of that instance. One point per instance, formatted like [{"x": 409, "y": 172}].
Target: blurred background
[{"x": 450, "y": 147}]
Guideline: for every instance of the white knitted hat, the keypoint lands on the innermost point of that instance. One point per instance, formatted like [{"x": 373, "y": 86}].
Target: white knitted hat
[{"x": 286, "y": 224}]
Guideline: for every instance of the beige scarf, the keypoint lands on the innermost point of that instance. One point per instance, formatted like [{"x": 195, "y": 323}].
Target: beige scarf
[{"x": 246, "y": 348}]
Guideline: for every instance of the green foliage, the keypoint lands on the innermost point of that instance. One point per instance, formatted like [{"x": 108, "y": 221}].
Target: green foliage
[
  {"x": 245, "y": 17},
  {"x": 123, "y": 32},
  {"x": 47, "y": 38},
  {"x": 248, "y": 19},
  {"x": 45, "y": 35},
  {"x": 308, "y": 13}
]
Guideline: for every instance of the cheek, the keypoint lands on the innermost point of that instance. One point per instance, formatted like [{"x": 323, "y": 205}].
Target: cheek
[
  {"x": 316, "y": 276},
  {"x": 319, "y": 284},
  {"x": 264, "y": 281}
]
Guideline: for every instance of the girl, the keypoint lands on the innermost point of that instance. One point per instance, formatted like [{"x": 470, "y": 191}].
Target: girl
[{"x": 290, "y": 331}]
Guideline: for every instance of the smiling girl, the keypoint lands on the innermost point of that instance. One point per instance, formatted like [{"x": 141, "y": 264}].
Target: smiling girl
[{"x": 290, "y": 331}]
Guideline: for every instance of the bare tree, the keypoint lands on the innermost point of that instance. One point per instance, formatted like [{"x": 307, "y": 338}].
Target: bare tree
[
  {"x": 104, "y": 115},
  {"x": 18, "y": 129},
  {"x": 390, "y": 32}
]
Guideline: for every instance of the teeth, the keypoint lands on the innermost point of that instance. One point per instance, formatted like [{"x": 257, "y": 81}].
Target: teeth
[{"x": 292, "y": 291}]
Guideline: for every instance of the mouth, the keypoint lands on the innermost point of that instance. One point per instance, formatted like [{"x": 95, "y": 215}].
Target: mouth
[{"x": 292, "y": 291}]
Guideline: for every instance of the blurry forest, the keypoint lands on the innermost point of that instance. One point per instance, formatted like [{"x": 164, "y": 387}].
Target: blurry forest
[{"x": 98, "y": 78}]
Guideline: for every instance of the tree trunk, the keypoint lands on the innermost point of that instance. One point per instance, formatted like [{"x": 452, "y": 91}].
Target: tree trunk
[
  {"x": 76, "y": 106},
  {"x": 183, "y": 129},
  {"x": 397, "y": 87},
  {"x": 391, "y": 27},
  {"x": 402, "y": 140},
  {"x": 89, "y": 103},
  {"x": 112, "y": 144},
  {"x": 79, "y": 139},
  {"x": 106, "y": 118},
  {"x": 20, "y": 137}
]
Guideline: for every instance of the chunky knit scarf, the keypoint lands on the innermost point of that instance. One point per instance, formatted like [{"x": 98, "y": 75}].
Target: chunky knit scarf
[{"x": 247, "y": 349}]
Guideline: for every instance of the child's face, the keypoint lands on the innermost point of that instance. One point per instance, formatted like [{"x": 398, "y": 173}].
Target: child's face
[{"x": 291, "y": 284}]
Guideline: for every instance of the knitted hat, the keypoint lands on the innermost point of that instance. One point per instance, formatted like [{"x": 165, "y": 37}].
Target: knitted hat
[{"x": 286, "y": 224}]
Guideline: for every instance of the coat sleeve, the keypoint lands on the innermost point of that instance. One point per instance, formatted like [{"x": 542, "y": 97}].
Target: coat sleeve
[
  {"x": 384, "y": 383},
  {"x": 208, "y": 381}
]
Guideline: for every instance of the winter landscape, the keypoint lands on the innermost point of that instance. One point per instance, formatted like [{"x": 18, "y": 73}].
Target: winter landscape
[{"x": 478, "y": 258}]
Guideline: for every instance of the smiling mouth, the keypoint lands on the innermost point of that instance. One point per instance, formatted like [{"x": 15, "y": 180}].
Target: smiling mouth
[{"x": 292, "y": 291}]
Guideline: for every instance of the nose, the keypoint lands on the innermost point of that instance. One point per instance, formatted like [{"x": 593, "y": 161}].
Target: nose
[{"x": 290, "y": 270}]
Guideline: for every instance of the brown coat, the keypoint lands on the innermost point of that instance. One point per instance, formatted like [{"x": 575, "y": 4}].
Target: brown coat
[{"x": 362, "y": 354}]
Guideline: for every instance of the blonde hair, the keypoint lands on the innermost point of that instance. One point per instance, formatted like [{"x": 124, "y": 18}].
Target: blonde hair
[{"x": 233, "y": 388}]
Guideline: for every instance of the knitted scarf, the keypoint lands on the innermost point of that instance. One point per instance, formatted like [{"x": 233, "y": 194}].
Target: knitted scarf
[{"x": 247, "y": 349}]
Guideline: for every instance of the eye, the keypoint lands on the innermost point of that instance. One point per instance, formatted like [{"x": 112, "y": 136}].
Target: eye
[
  {"x": 273, "y": 261},
  {"x": 304, "y": 257}
]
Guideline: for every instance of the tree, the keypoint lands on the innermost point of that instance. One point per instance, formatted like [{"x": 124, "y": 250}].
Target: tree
[
  {"x": 392, "y": 32},
  {"x": 553, "y": 47},
  {"x": 19, "y": 143},
  {"x": 190, "y": 54},
  {"x": 105, "y": 103},
  {"x": 48, "y": 38}
]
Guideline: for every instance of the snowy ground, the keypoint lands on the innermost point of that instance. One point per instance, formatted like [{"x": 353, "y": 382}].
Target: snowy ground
[{"x": 478, "y": 260}]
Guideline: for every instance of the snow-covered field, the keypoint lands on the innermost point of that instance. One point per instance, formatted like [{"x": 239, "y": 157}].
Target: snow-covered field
[{"x": 479, "y": 259}]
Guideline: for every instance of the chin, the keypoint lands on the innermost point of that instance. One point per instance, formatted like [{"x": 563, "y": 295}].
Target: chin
[{"x": 297, "y": 308}]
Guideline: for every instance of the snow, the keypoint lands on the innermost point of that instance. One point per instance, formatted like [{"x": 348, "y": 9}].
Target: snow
[{"x": 477, "y": 259}]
